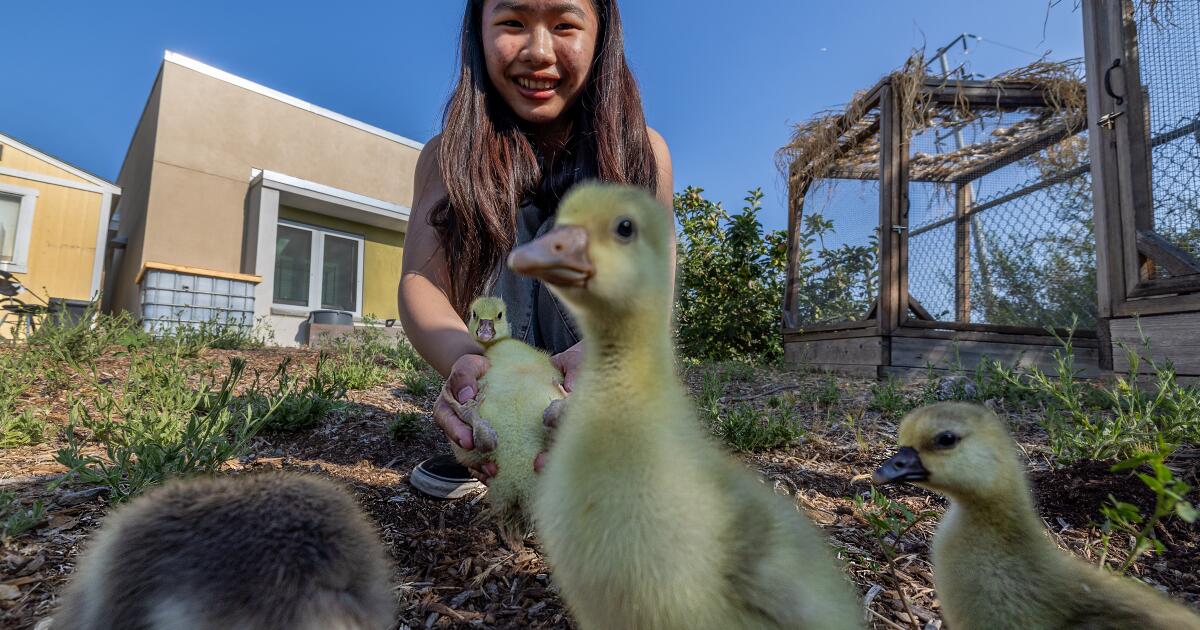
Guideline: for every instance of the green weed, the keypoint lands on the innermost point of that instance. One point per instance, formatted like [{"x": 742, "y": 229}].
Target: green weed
[
  {"x": 888, "y": 398},
  {"x": 420, "y": 383},
  {"x": 299, "y": 407},
  {"x": 22, "y": 429},
  {"x": 16, "y": 519},
  {"x": 744, "y": 428},
  {"x": 404, "y": 426},
  {"x": 890, "y": 522},
  {"x": 160, "y": 426},
  {"x": 1170, "y": 496}
]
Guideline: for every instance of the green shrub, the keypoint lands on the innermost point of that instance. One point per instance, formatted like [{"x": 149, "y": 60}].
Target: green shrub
[
  {"x": 81, "y": 341},
  {"x": 746, "y": 429},
  {"x": 22, "y": 429},
  {"x": 1170, "y": 498},
  {"x": 190, "y": 338},
  {"x": 404, "y": 426},
  {"x": 160, "y": 426},
  {"x": 730, "y": 277}
]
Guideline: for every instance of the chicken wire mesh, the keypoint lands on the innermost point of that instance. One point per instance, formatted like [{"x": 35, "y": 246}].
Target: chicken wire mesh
[
  {"x": 1027, "y": 243},
  {"x": 836, "y": 265},
  {"x": 1169, "y": 57}
]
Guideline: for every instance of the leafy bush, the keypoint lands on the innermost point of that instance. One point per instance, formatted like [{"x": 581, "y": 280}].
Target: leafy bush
[
  {"x": 833, "y": 284},
  {"x": 730, "y": 277},
  {"x": 75, "y": 342},
  {"x": 1170, "y": 496},
  {"x": 161, "y": 426}
]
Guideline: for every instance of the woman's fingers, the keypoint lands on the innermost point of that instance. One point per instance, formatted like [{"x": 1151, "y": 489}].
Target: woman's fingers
[{"x": 455, "y": 429}]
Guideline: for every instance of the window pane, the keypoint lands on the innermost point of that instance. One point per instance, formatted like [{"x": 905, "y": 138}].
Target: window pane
[
  {"x": 339, "y": 280},
  {"x": 10, "y": 211},
  {"x": 293, "y": 260}
]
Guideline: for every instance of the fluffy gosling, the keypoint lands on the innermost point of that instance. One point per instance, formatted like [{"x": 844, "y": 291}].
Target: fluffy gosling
[
  {"x": 994, "y": 566},
  {"x": 647, "y": 523},
  {"x": 506, "y": 421},
  {"x": 256, "y": 552}
]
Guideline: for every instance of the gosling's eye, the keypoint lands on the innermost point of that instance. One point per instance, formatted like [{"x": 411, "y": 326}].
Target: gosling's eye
[
  {"x": 499, "y": 316},
  {"x": 945, "y": 439},
  {"x": 624, "y": 229},
  {"x": 473, "y": 315}
]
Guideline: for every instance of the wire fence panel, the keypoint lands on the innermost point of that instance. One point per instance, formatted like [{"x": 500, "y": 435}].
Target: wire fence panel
[
  {"x": 1008, "y": 240},
  {"x": 838, "y": 270},
  {"x": 1169, "y": 56}
]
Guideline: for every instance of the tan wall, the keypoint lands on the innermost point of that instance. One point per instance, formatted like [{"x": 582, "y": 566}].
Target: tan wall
[
  {"x": 12, "y": 157},
  {"x": 211, "y": 134},
  {"x": 134, "y": 180},
  {"x": 383, "y": 251},
  {"x": 62, "y": 244}
]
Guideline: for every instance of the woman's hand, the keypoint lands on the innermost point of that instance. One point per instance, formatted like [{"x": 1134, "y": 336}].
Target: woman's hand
[
  {"x": 463, "y": 385},
  {"x": 568, "y": 362}
]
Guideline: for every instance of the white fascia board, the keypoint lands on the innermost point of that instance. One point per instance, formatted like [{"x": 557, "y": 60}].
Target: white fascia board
[
  {"x": 288, "y": 184},
  {"x": 100, "y": 183},
  {"x": 57, "y": 181},
  {"x": 233, "y": 79}
]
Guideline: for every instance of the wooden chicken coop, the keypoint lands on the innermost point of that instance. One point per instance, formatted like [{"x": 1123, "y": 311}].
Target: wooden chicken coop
[{"x": 934, "y": 222}]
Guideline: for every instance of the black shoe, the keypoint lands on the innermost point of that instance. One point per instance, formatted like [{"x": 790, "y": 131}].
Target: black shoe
[{"x": 442, "y": 477}]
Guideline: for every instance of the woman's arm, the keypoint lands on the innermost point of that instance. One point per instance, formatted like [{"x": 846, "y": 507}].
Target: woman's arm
[
  {"x": 666, "y": 183},
  {"x": 430, "y": 322},
  {"x": 429, "y": 319}
]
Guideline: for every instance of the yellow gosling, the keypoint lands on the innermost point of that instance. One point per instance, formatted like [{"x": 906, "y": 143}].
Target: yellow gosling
[
  {"x": 507, "y": 421},
  {"x": 994, "y": 566},
  {"x": 256, "y": 552},
  {"x": 647, "y": 523}
]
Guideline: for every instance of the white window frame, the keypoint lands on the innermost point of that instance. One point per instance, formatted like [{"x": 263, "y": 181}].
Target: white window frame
[
  {"x": 316, "y": 266},
  {"x": 20, "y": 261}
]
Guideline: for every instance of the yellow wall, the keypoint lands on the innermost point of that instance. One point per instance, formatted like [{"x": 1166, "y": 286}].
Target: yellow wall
[
  {"x": 382, "y": 254},
  {"x": 13, "y": 157},
  {"x": 62, "y": 247}
]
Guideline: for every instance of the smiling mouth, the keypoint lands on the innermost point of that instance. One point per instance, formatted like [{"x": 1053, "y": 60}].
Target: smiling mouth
[{"x": 536, "y": 85}]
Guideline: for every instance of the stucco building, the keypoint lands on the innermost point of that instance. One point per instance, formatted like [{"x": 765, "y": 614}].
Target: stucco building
[{"x": 241, "y": 202}]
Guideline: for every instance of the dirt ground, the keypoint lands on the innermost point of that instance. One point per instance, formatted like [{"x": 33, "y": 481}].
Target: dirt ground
[{"x": 452, "y": 571}]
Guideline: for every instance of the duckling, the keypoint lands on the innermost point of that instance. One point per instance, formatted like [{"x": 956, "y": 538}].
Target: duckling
[
  {"x": 255, "y": 552},
  {"x": 994, "y": 566},
  {"x": 647, "y": 523},
  {"x": 506, "y": 416}
]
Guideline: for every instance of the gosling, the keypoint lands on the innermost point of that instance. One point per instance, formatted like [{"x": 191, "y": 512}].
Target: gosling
[
  {"x": 506, "y": 422},
  {"x": 256, "y": 552},
  {"x": 647, "y": 523},
  {"x": 994, "y": 566}
]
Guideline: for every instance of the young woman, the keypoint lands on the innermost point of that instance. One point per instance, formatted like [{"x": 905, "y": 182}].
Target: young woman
[{"x": 544, "y": 100}]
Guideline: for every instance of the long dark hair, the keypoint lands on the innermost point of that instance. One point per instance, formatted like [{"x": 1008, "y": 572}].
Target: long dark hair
[{"x": 490, "y": 166}]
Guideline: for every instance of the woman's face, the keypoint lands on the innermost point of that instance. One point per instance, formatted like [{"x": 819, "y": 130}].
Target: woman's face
[{"x": 539, "y": 53}]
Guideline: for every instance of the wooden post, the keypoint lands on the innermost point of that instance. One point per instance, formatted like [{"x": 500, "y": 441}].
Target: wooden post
[
  {"x": 892, "y": 154},
  {"x": 962, "y": 253}
]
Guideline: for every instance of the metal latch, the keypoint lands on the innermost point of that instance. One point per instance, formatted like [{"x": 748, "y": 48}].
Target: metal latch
[
  {"x": 899, "y": 229},
  {"x": 1109, "y": 120}
]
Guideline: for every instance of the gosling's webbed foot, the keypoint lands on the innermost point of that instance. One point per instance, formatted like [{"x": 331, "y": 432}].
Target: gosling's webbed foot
[
  {"x": 553, "y": 413},
  {"x": 484, "y": 435}
]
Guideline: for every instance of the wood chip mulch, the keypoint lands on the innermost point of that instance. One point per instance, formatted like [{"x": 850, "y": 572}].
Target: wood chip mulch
[{"x": 452, "y": 570}]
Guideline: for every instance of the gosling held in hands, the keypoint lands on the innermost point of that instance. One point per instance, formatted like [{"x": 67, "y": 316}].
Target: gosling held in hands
[
  {"x": 994, "y": 566},
  {"x": 506, "y": 420},
  {"x": 647, "y": 523}
]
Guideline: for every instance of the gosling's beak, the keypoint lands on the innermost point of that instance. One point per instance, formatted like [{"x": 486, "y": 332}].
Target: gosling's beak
[
  {"x": 486, "y": 330},
  {"x": 558, "y": 257},
  {"x": 903, "y": 466}
]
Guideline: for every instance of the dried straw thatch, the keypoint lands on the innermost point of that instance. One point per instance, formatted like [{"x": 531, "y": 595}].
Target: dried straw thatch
[{"x": 844, "y": 143}]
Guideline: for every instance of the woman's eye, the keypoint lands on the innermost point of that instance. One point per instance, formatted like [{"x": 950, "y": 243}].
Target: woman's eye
[
  {"x": 564, "y": 27},
  {"x": 945, "y": 439},
  {"x": 624, "y": 229},
  {"x": 511, "y": 24}
]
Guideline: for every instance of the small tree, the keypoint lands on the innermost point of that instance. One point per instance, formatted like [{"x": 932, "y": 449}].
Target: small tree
[{"x": 731, "y": 278}]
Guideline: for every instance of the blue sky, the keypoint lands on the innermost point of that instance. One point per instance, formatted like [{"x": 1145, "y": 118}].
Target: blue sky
[{"x": 721, "y": 81}]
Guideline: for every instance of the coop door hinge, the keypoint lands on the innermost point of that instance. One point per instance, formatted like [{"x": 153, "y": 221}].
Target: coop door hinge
[{"x": 1109, "y": 120}]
